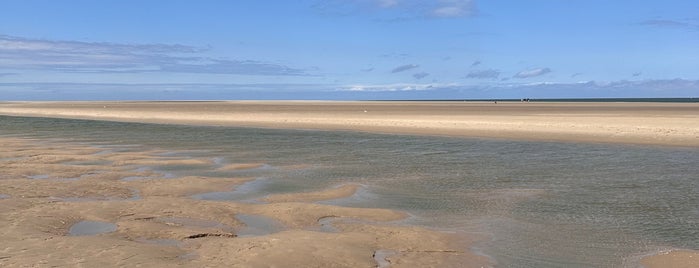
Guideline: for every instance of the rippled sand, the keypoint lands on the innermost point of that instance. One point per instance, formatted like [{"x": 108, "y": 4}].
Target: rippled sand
[
  {"x": 50, "y": 189},
  {"x": 641, "y": 123}
]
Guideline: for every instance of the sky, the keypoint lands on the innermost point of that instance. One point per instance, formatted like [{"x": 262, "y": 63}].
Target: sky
[{"x": 347, "y": 49}]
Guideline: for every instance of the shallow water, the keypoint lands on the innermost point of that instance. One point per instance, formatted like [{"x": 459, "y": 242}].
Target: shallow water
[
  {"x": 246, "y": 192},
  {"x": 256, "y": 225},
  {"x": 543, "y": 204},
  {"x": 91, "y": 228},
  {"x": 381, "y": 255},
  {"x": 197, "y": 223}
]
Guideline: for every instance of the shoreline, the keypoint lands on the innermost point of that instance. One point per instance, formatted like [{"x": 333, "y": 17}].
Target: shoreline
[
  {"x": 65, "y": 193},
  {"x": 676, "y": 258},
  {"x": 669, "y": 124},
  {"x": 152, "y": 220}
]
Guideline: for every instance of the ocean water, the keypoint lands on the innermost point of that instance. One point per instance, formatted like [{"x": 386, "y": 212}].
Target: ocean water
[{"x": 540, "y": 204}]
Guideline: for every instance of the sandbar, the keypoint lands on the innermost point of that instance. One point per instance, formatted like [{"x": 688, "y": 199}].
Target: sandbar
[{"x": 675, "y": 124}]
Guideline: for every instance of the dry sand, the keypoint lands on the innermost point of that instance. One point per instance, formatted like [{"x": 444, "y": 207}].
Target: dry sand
[
  {"x": 674, "y": 124},
  {"x": 44, "y": 192}
]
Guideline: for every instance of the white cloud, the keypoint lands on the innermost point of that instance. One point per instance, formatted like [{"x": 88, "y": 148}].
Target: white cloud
[
  {"x": 387, "y": 3},
  {"x": 451, "y": 11},
  {"x": 532, "y": 73},
  {"x": 395, "y": 87},
  {"x": 454, "y": 8}
]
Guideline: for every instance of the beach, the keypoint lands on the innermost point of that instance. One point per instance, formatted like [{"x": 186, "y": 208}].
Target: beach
[
  {"x": 50, "y": 188},
  {"x": 631, "y": 123},
  {"x": 163, "y": 195}
]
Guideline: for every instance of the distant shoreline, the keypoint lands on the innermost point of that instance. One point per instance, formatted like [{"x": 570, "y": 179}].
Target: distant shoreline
[
  {"x": 657, "y": 123},
  {"x": 674, "y": 100}
]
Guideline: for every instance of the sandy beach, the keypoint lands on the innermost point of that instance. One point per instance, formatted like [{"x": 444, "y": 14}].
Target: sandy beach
[
  {"x": 50, "y": 188},
  {"x": 674, "y": 124}
]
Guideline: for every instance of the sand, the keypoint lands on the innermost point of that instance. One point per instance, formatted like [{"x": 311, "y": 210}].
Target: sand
[
  {"x": 673, "y": 259},
  {"x": 675, "y": 124},
  {"x": 345, "y": 190},
  {"x": 48, "y": 186},
  {"x": 44, "y": 192}
]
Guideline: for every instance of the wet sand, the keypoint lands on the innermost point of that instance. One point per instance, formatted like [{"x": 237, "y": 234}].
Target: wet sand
[
  {"x": 675, "y": 124},
  {"x": 673, "y": 259},
  {"x": 66, "y": 204},
  {"x": 47, "y": 187}
]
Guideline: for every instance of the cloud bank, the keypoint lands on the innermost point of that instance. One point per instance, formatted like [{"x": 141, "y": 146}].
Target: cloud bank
[
  {"x": 102, "y": 57},
  {"x": 665, "y": 88},
  {"x": 393, "y": 87}
]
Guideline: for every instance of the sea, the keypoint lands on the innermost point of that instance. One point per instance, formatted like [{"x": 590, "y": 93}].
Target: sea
[{"x": 537, "y": 204}]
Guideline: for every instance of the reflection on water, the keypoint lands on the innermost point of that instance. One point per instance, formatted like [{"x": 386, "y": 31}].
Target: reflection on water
[{"x": 544, "y": 204}]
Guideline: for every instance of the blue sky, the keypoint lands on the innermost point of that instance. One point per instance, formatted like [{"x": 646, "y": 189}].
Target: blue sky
[{"x": 348, "y": 49}]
